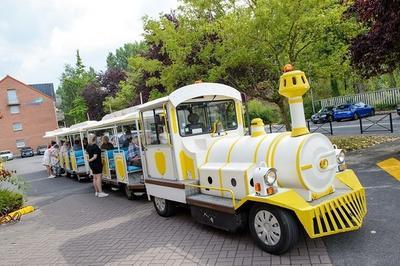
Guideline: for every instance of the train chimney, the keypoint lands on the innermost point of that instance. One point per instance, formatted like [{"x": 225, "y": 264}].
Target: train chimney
[{"x": 293, "y": 85}]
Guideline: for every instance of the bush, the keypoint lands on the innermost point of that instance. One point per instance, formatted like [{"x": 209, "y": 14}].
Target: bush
[
  {"x": 258, "y": 109},
  {"x": 351, "y": 143},
  {"x": 10, "y": 201},
  {"x": 385, "y": 107}
]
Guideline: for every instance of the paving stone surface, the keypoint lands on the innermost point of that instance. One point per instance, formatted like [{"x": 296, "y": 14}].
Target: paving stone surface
[{"x": 80, "y": 229}]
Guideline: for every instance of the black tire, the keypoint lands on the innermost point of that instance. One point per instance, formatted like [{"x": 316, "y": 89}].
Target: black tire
[
  {"x": 287, "y": 236},
  {"x": 373, "y": 112},
  {"x": 130, "y": 195},
  {"x": 329, "y": 118},
  {"x": 164, "y": 208},
  {"x": 356, "y": 116}
]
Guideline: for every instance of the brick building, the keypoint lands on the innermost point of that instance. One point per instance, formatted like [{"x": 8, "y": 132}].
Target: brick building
[{"x": 26, "y": 113}]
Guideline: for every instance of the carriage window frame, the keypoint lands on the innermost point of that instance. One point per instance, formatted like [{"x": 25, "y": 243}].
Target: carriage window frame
[
  {"x": 207, "y": 113},
  {"x": 162, "y": 123}
]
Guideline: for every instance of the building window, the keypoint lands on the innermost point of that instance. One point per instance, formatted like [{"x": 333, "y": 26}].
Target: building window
[
  {"x": 17, "y": 126},
  {"x": 20, "y": 143},
  {"x": 14, "y": 109},
  {"x": 12, "y": 96}
]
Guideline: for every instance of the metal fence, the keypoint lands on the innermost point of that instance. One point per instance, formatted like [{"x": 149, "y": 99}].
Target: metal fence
[{"x": 387, "y": 96}]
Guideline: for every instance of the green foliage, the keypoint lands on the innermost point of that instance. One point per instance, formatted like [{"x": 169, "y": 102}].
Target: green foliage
[
  {"x": 122, "y": 55},
  {"x": 10, "y": 201},
  {"x": 258, "y": 109},
  {"x": 385, "y": 107},
  {"x": 245, "y": 45},
  {"x": 351, "y": 143},
  {"x": 72, "y": 83}
]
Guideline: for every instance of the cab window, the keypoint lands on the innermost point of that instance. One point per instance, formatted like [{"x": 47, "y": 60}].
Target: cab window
[
  {"x": 155, "y": 127},
  {"x": 201, "y": 117}
]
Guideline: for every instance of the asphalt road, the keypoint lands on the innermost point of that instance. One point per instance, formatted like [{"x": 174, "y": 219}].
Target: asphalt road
[
  {"x": 376, "y": 243},
  {"x": 353, "y": 127}
]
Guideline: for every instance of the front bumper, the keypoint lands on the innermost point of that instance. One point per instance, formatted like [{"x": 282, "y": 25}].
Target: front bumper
[{"x": 341, "y": 211}]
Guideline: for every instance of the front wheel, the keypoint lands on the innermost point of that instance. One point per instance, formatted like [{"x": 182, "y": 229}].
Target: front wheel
[
  {"x": 275, "y": 230},
  {"x": 355, "y": 116},
  {"x": 164, "y": 208}
]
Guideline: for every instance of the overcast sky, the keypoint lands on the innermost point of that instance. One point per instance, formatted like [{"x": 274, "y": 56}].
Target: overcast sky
[{"x": 38, "y": 37}]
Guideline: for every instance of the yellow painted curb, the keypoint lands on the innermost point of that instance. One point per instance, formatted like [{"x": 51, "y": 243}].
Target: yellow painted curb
[
  {"x": 391, "y": 166},
  {"x": 20, "y": 212}
]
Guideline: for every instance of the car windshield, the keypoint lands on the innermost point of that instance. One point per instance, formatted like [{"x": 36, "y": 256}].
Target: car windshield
[
  {"x": 201, "y": 117},
  {"x": 343, "y": 107},
  {"x": 4, "y": 152},
  {"x": 27, "y": 148}
]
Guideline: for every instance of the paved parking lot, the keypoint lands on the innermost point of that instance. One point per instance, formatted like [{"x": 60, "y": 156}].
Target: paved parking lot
[{"x": 71, "y": 226}]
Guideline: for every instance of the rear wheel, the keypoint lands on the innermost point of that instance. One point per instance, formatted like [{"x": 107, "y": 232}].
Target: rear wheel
[
  {"x": 275, "y": 230},
  {"x": 373, "y": 112},
  {"x": 355, "y": 116},
  {"x": 164, "y": 208}
]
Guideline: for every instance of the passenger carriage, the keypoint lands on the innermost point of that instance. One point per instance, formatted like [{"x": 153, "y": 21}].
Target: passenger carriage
[
  {"x": 116, "y": 169},
  {"x": 197, "y": 154}
]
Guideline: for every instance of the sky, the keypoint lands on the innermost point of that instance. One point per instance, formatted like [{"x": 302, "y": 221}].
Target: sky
[{"x": 38, "y": 37}]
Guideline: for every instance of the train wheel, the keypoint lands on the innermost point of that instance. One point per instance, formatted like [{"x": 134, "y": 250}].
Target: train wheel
[
  {"x": 164, "y": 208},
  {"x": 129, "y": 193},
  {"x": 275, "y": 230}
]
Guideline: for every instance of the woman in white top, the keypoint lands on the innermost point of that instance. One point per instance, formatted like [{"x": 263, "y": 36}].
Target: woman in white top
[{"x": 47, "y": 161}]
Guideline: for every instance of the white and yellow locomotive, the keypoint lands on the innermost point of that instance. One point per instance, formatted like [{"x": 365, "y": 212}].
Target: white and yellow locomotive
[{"x": 196, "y": 153}]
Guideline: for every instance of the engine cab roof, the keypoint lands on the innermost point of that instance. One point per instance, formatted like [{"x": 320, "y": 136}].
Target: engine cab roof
[{"x": 194, "y": 91}]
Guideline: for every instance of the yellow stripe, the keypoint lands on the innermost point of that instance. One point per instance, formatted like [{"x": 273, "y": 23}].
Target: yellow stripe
[
  {"x": 209, "y": 150},
  {"x": 271, "y": 149},
  {"x": 295, "y": 100},
  {"x": 220, "y": 181},
  {"x": 239, "y": 113},
  {"x": 275, "y": 149},
  {"x": 257, "y": 148},
  {"x": 228, "y": 159},
  {"x": 306, "y": 167},
  {"x": 391, "y": 166},
  {"x": 298, "y": 168},
  {"x": 299, "y": 131},
  {"x": 173, "y": 120}
]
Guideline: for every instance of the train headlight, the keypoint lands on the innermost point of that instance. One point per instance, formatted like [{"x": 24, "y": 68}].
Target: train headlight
[{"x": 270, "y": 177}]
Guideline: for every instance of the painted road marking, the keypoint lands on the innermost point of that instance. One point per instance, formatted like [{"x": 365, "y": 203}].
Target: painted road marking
[{"x": 391, "y": 166}]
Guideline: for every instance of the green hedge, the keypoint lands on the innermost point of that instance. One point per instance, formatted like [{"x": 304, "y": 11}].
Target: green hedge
[
  {"x": 268, "y": 114},
  {"x": 10, "y": 201}
]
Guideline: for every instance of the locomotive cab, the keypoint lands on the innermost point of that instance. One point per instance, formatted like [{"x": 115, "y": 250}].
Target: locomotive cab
[{"x": 197, "y": 154}]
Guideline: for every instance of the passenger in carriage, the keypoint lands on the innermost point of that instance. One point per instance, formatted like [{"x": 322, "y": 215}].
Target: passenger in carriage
[
  {"x": 126, "y": 138},
  {"x": 77, "y": 145},
  {"x": 134, "y": 152},
  {"x": 106, "y": 144}
]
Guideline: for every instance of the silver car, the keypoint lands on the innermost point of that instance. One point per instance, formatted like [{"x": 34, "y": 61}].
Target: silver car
[{"x": 6, "y": 155}]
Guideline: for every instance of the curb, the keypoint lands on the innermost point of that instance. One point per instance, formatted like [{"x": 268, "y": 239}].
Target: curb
[{"x": 19, "y": 213}]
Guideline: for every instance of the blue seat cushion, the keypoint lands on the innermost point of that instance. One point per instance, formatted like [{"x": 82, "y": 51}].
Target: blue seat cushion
[
  {"x": 132, "y": 168},
  {"x": 79, "y": 153},
  {"x": 80, "y": 161}
]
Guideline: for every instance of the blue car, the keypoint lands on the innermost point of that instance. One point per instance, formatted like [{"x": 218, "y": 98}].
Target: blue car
[{"x": 353, "y": 111}]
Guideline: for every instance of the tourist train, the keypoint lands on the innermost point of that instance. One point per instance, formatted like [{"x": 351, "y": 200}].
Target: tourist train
[{"x": 196, "y": 152}]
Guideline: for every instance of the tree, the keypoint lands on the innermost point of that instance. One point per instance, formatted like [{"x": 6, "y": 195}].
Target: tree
[
  {"x": 73, "y": 81},
  {"x": 245, "y": 45},
  {"x": 120, "y": 58},
  {"x": 105, "y": 85},
  {"x": 377, "y": 50}
]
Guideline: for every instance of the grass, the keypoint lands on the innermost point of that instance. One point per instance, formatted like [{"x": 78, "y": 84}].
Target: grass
[{"x": 351, "y": 143}]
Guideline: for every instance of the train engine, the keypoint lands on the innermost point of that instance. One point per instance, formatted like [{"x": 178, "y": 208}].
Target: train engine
[{"x": 288, "y": 174}]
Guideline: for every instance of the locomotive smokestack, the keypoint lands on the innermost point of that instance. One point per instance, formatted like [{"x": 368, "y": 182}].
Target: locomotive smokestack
[{"x": 293, "y": 85}]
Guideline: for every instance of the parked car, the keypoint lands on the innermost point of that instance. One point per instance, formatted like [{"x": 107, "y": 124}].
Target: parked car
[
  {"x": 324, "y": 115},
  {"x": 41, "y": 149},
  {"x": 6, "y": 155},
  {"x": 27, "y": 152},
  {"x": 353, "y": 111}
]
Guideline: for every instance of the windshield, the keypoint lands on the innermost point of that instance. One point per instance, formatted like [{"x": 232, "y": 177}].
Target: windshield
[
  {"x": 5, "y": 152},
  {"x": 200, "y": 117},
  {"x": 343, "y": 107}
]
